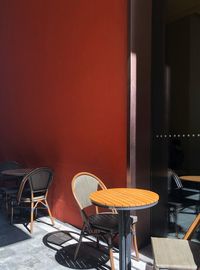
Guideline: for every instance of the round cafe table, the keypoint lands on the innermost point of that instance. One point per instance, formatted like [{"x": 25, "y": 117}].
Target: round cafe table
[
  {"x": 16, "y": 172},
  {"x": 190, "y": 178},
  {"x": 124, "y": 200},
  {"x": 195, "y": 179}
]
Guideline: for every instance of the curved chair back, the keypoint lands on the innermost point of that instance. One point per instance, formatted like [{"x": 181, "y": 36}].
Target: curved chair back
[
  {"x": 83, "y": 184},
  {"x": 39, "y": 180},
  {"x": 173, "y": 176}
]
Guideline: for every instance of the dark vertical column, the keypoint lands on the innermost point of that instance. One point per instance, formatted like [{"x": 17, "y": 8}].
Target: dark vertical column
[
  {"x": 159, "y": 109},
  {"x": 139, "y": 125}
]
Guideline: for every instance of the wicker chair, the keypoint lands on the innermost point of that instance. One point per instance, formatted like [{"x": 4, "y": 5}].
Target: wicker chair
[
  {"x": 32, "y": 192},
  {"x": 102, "y": 225}
]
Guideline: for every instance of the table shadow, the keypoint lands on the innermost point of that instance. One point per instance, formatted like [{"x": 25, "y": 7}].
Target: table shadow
[{"x": 89, "y": 256}]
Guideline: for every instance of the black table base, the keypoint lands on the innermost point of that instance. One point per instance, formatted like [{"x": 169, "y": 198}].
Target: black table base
[{"x": 124, "y": 239}]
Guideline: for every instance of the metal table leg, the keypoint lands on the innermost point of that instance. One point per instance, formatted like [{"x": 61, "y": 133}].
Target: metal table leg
[{"x": 124, "y": 240}]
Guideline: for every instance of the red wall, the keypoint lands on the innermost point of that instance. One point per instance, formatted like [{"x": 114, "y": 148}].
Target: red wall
[{"x": 63, "y": 91}]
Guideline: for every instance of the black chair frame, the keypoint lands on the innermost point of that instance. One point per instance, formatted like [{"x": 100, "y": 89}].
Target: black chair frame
[{"x": 33, "y": 191}]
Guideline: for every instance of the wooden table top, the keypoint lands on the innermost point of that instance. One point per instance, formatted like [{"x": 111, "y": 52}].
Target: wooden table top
[
  {"x": 191, "y": 178},
  {"x": 124, "y": 198},
  {"x": 16, "y": 172}
]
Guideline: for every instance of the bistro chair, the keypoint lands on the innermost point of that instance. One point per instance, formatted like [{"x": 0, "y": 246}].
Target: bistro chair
[
  {"x": 33, "y": 192},
  {"x": 177, "y": 253},
  {"x": 9, "y": 183},
  {"x": 177, "y": 201},
  {"x": 102, "y": 225}
]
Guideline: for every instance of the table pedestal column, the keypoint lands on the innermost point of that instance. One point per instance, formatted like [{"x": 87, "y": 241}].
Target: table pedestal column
[{"x": 124, "y": 240}]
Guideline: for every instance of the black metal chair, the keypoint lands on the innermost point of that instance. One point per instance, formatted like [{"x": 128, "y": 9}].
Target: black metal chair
[
  {"x": 177, "y": 201},
  {"x": 102, "y": 225},
  {"x": 33, "y": 191}
]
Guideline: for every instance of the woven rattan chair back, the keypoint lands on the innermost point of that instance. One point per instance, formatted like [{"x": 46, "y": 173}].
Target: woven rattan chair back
[
  {"x": 38, "y": 180},
  {"x": 33, "y": 191},
  {"x": 83, "y": 184}
]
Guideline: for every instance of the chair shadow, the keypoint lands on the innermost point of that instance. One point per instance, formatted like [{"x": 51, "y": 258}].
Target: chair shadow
[
  {"x": 89, "y": 255},
  {"x": 10, "y": 234},
  {"x": 195, "y": 249},
  {"x": 58, "y": 239},
  {"x": 23, "y": 218}
]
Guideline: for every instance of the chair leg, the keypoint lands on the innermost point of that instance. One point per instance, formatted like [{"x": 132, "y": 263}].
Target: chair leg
[
  {"x": 111, "y": 259},
  {"x": 6, "y": 201},
  {"x": 111, "y": 254},
  {"x": 36, "y": 212},
  {"x": 49, "y": 211},
  {"x": 79, "y": 242},
  {"x": 1, "y": 200},
  {"x": 32, "y": 212},
  {"x": 133, "y": 228},
  {"x": 193, "y": 227},
  {"x": 11, "y": 214},
  {"x": 176, "y": 223},
  {"x": 97, "y": 242}
]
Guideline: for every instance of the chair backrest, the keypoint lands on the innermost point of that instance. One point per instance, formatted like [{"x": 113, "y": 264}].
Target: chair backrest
[
  {"x": 39, "y": 180},
  {"x": 173, "y": 176},
  {"x": 83, "y": 184}
]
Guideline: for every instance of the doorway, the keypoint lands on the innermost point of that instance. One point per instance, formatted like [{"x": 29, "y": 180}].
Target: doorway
[{"x": 175, "y": 107}]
